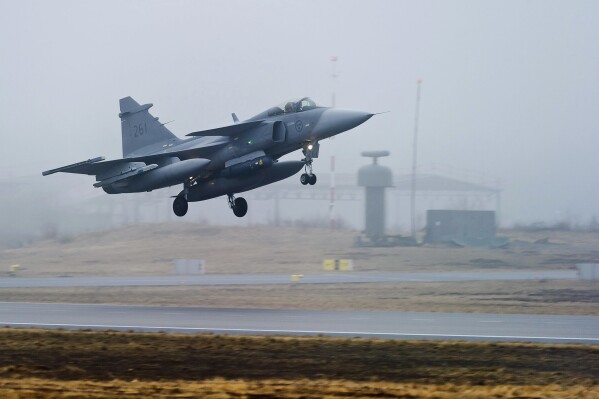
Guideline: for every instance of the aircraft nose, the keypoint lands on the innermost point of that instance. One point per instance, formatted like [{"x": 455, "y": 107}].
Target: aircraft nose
[{"x": 334, "y": 121}]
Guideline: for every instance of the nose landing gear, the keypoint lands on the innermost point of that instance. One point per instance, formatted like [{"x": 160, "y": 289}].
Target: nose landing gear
[
  {"x": 308, "y": 177},
  {"x": 238, "y": 205},
  {"x": 310, "y": 150}
]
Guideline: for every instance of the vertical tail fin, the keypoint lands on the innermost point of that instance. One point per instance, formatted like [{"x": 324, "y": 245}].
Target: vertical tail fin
[{"x": 140, "y": 129}]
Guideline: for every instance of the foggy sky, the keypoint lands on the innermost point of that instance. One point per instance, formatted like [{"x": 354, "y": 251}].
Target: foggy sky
[{"x": 510, "y": 89}]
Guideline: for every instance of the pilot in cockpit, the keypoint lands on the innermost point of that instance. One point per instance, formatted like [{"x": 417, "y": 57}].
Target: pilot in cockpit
[{"x": 289, "y": 107}]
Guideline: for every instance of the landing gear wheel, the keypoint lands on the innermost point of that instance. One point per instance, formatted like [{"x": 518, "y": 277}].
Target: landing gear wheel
[
  {"x": 308, "y": 177},
  {"x": 305, "y": 178},
  {"x": 240, "y": 207},
  {"x": 180, "y": 206}
]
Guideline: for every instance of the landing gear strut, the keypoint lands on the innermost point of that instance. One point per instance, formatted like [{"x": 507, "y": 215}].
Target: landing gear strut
[{"x": 238, "y": 205}]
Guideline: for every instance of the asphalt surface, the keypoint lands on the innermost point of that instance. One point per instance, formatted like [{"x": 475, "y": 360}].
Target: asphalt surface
[
  {"x": 396, "y": 325},
  {"x": 268, "y": 279}
]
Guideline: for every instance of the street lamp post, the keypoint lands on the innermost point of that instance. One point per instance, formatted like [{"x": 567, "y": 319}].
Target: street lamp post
[{"x": 414, "y": 161}]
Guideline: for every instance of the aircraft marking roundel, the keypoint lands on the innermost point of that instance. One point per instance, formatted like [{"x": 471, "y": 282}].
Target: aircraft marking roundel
[{"x": 299, "y": 125}]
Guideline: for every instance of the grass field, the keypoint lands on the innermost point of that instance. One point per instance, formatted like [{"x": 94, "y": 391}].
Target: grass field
[
  {"x": 61, "y": 364},
  {"x": 150, "y": 250}
]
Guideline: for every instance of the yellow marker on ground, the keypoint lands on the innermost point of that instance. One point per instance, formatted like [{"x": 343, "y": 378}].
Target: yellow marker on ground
[
  {"x": 296, "y": 277},
  {"x": 338, "y": 264},
  {"x": 13, "y": 269}
]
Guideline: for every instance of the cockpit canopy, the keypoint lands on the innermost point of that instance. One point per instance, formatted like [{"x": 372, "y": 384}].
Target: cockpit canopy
[{"x": 291, "y": 106}]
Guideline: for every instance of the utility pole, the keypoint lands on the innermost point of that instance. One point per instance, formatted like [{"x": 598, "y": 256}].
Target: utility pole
[
  {"x": 414, "y": 160},
  {"x": 332, "y": 192}
]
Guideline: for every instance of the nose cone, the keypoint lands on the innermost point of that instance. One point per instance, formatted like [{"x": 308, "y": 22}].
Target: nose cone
[{"x": 334, "y": 121}]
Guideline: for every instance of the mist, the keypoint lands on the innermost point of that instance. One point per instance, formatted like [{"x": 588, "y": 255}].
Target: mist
[{"x": 510, "y": 93}]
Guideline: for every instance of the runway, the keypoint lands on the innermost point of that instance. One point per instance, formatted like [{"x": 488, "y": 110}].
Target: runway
[
  {"x": 269, "y": 279},
  {"x": 394, "y": 325}
]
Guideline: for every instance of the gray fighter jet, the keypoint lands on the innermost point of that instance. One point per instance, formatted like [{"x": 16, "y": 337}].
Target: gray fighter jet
[{"x": 222, "y": 161}]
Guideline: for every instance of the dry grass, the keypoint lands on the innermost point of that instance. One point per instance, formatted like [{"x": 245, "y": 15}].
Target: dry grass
[
  {"x": 60, "y": 364},
  {"x": 35, "y": 388},
  {"x": 150, "y": 249},
  {"x": 535, "y": 297}
]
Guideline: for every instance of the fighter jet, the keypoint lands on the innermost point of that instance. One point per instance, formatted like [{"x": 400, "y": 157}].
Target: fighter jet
[{"x": 222, "y": 161}]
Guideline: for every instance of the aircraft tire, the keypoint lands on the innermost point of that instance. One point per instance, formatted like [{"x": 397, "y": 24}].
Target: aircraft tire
[
  {"x": 180, "y": 206},
  {"x": 240, "y": 207},
  {"x": 312, "y": 180},
  {"x": 305, "y": 178}
]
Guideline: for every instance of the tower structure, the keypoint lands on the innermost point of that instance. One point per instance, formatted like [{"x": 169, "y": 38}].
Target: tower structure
[{"x": 375, "y": 179}]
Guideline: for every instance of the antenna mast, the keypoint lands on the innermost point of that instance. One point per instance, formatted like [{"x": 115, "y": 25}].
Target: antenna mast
[
  {"x": 414, "y": 160},
  {"x": 332, "y": 193}
]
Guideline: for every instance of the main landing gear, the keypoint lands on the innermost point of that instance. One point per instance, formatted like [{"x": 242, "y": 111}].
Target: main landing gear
[
  {"x": 308, "y": 177},
  {"x": 180, "y": 206},
  {"x": 238, "y": 205}
]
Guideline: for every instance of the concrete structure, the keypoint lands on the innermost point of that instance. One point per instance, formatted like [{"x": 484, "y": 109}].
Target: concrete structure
[
  {"x": 588, "y": 271},
  {"x": 375, "y": 179},
  {"x": 278, "y": 279},
  {"x": 190, "y": 266},
  {"x": 367, "y": 324},
  {"x": 464, "y": 228}
]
